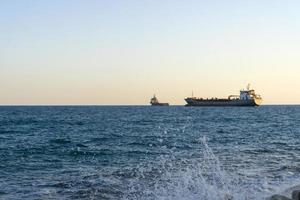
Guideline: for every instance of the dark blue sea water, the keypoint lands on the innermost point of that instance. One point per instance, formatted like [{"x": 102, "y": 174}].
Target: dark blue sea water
[{"x": 143, "y": 152}]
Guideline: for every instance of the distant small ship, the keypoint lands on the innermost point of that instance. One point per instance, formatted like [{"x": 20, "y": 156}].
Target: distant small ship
[
  {"x": 154, "y": 102},
  {"x": 246, "y": 98}
]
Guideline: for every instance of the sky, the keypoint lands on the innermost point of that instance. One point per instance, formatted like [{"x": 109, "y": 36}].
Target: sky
[{"x": 121, "y": 52}]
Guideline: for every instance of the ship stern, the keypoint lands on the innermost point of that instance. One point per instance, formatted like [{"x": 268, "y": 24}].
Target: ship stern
[{"x": 258, "y": 101}]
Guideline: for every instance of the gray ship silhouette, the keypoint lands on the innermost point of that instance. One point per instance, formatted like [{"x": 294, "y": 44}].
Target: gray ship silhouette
[
  {"x": 246, "y": 98},
  {"x": 154, "y": 102}
]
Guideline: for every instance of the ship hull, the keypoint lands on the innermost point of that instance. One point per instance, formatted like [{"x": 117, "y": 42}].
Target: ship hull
[
  {"x": 159, "y": 104},
  {"x": 222, "y": 103}
]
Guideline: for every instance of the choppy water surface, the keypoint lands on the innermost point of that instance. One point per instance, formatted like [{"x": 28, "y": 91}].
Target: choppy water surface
[{"x": 148, "y": 152}]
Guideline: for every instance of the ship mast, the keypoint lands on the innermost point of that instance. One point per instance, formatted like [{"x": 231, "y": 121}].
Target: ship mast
[{"x": 248, "y": 86}]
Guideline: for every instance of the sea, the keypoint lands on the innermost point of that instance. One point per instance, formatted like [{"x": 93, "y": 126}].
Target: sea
[{"x": 144, "y": 152}]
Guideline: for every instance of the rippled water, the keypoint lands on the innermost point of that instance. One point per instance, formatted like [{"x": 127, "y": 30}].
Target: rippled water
[{"x": 142, "y": 152}]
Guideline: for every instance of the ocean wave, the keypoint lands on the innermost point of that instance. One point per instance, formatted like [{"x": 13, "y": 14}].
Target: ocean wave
[{"x": 201, "y": 178}]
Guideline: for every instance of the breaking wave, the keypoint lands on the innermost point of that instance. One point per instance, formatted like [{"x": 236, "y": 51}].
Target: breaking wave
[{"x": 201, "y": 178}]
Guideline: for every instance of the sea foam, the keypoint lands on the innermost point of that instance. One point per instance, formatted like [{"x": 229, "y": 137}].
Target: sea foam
[{"x": 201, "y": 178}]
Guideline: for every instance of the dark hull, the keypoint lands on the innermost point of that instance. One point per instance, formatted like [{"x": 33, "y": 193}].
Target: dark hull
[
  {"x": 222, "y": 103},
  {"x": 159, "y": 104}
]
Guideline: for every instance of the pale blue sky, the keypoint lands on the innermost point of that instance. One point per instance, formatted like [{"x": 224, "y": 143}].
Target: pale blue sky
[{"x": 121, "y": 52}]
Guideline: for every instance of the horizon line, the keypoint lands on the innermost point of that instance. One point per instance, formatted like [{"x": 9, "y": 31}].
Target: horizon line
[{"x": 58, "y": 105}]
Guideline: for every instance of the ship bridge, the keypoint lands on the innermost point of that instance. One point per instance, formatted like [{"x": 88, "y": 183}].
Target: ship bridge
[
  {"x": 248, "y": 94},
  {"x": 154, "y": 100}
]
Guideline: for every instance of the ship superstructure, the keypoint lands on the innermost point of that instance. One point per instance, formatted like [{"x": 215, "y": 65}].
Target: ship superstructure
[{"x": 247, "y": 97}]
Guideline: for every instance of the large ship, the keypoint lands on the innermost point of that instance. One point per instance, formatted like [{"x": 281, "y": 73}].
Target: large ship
[
  {"x": 246, "y": 98},
  {"x": 154, "y": 102}
]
